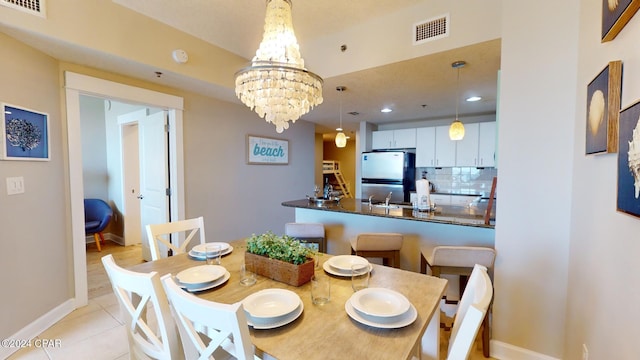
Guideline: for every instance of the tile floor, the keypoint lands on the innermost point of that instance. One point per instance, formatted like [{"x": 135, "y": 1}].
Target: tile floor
[{"x": 92, "y": 332}]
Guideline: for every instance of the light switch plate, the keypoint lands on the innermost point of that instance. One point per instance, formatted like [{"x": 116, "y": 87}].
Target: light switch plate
[{"x": 15, "y": 185}]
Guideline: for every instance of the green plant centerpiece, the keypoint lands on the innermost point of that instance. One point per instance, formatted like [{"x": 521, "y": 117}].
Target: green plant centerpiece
[{"x": 281, "y": 258}]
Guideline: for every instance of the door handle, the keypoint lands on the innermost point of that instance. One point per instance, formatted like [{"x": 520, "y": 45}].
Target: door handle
[{"x": 140, "y": 197}]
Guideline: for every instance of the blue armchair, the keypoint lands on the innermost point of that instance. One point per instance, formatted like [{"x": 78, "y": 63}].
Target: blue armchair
[{"x": 97, "y": 215}]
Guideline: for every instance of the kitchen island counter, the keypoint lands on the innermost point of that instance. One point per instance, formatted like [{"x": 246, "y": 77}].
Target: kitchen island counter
[
  {"x": 449, "y": 225},
  {"x": 453, "y": 215}
]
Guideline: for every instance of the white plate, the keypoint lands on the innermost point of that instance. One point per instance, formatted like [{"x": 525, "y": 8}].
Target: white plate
[
  {"x": 380, "y": 302},
  {"x": 344, "y": 262},
  {"x": 210, "y": 285},
  {"x": 201, "y": 274},
  {"x": 260, "y": 324},
  {"x": 201, "y": 249},
  {"x": 383, "y": 323},
  {"x": 201, "y": 256},
  {"x": 328, "y": 268},
  {"x": 271, "y": 303}
]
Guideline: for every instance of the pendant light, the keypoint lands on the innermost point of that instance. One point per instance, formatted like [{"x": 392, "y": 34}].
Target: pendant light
[
  {"x": 456, "y": 130},
  {"x": 341, "y": 138}
]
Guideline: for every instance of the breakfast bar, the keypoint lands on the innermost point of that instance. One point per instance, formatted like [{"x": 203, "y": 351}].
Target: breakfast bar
[{"x": 447, "y": 225}]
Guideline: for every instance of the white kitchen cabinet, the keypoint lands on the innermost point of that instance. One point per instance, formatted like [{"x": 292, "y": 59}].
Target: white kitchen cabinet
[
  {"x": 467, "y": 148},
  {"x": 393, "y": 139},
  {"x": 426, "y": 147},
  {"x": 487, "y": 144},
  {"x": 445, "y": 148},
  {"x": 381, "y": 139}
]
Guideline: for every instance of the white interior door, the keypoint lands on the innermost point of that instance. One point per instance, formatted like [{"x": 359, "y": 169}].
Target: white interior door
[
  {"x": 154, "y": 174},
  {"x": 131, "y": 183}
]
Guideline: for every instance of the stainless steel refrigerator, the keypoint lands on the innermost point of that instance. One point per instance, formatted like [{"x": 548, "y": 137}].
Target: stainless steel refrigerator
[{"x": 388, "y": 171}]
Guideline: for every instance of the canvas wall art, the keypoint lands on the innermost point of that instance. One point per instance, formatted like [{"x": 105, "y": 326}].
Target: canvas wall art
[
  {"x": 615, "y": 15},
  {"x": 603, "y": 107},
  {"x": 629, "y": 161},
  {"x": 25, "y": 134}
]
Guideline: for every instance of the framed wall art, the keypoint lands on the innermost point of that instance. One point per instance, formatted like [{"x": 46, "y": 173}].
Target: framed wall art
[
  {"x": 25, "y": 134},
  {"x": 615, "y": 15},
  {"x": 629, "y": 161},
  {"x": 603, "y": 108},
  {"x": 267, "y": 151}
]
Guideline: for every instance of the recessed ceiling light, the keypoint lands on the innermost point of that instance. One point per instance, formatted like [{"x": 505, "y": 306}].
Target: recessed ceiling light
[
  {"x": 474, "y": 98},
  {"x": 386, "y": 110}
]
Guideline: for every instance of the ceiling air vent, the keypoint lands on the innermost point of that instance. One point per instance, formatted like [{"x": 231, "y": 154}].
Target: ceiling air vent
[
  {"x": 35, "y": 7},
  {"x": 431, "y": 29}
]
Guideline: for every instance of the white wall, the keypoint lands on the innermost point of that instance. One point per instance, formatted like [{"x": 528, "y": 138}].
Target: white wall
[
  {"x": 604, "y": 271},
  {"x": 537, "y": 115}
]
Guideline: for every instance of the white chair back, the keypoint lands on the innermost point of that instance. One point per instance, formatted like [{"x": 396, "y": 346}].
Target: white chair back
[
  {"x": 159, "y": 236},
  {"x": 471, "y": 311},
  {"x": 224, "y": 326},
  {"x": 135, "y": 292}
]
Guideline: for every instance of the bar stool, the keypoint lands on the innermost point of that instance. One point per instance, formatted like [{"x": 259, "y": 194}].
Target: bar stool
[
  {"x": 379, "y": 245},
  {"x": 460, "y": 260},
  {"x": 312, "y": 233}
]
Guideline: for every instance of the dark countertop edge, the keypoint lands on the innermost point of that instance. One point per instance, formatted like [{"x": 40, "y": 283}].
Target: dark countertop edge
[{"x": 300, "y": 204}]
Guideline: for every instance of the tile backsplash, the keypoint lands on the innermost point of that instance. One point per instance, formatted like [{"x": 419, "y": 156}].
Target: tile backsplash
[{"x": 460, "y": 180}]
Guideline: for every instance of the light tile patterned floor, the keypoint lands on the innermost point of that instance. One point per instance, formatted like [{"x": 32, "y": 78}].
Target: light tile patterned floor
[{"x": 92, "y": 332}]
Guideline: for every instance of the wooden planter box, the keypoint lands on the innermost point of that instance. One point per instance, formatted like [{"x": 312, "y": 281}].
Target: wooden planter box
[{"x": 278, "y": 270}]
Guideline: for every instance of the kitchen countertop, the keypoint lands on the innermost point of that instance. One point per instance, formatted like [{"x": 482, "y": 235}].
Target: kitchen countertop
[{"x": 472, "y": 215}]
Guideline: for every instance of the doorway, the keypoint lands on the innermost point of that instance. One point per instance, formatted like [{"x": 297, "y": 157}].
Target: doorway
[{"x": 77, "y": 85}]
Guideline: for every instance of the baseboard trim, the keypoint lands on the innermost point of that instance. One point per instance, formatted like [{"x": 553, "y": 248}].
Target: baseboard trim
[
  {"x": 108, "y": 236},
  {"x": 504, "y": 351},
  {"x": 31, "y": 331}
]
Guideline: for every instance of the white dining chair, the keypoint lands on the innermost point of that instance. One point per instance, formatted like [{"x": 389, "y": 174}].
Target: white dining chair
[
  {"x": 159, "y": 236},
  {"x": 138, "y": 293},
  {"x": 209, "y": 328},
  {"x": 472, "y": 309}
]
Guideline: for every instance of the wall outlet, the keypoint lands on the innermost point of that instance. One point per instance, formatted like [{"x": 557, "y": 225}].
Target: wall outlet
[{"x": 585, "y": 352}]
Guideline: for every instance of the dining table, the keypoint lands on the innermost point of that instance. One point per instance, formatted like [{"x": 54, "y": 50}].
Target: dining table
[{"x": 327, "y": 331}]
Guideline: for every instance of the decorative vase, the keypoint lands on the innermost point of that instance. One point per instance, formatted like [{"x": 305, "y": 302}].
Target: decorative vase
[{"x": 279, "y": 270}]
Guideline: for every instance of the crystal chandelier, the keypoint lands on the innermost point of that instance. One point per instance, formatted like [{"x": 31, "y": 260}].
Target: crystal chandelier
[
  {"x": 276, "y": 85},
  {"x": 456, "y": 130},
  {"x": 341, "y": 138}
]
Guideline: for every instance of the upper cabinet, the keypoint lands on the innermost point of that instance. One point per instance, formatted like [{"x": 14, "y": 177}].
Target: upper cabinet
[
  {"x": 393, "y": 139},
  {"x": 445, "y": 148},
  {"x": 487, "y": 144},
  {"x": 426, "y": 147},
  {"x": 467, "y": 148},
  {"x": 476, "y": 149}
]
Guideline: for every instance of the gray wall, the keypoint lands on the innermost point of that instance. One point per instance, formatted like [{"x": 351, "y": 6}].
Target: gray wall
[
  {"x": 35, "y": 257},
  {"x": 94, "y": 150},
  {"x": 235, "y": 198}
]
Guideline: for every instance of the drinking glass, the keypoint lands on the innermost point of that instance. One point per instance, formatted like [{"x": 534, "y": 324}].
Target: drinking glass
[
  {"x": 213, "y": 254},
  {"x": 359, "y": 276},
  {"x": 247, "y": 276},
  {"x": 320, "y": 289}
]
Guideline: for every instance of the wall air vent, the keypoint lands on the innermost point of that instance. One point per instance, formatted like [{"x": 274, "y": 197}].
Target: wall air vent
[
  {"x": 431, "y": 29},
  {"x": 35, "y": 7}
]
